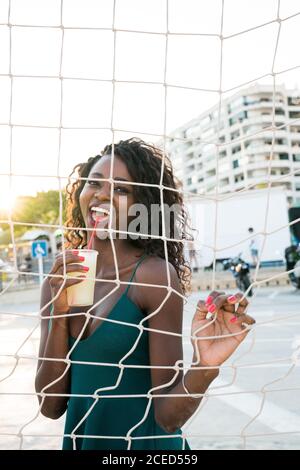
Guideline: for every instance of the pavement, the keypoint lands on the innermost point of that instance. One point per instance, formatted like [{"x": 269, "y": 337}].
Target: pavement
[
  {"x": 253, "y": 404},
  {"x": 266, "y": 277}
]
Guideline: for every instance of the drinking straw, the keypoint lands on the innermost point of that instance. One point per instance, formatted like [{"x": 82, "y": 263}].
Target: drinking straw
[{"x": 93, "y": 234}]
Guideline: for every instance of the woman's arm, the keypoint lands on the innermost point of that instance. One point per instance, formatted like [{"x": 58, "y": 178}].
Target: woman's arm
[
  {"x": 166, "y": 349},
  {"x": 53, "y": 344},
  {"x": 174, "y": 412},
  {"x": 214, "y": 340}
]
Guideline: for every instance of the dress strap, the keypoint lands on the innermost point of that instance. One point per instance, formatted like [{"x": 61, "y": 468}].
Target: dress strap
[
  {"x": 134, "y": 271},
  {"x": 50, "y": 319}
]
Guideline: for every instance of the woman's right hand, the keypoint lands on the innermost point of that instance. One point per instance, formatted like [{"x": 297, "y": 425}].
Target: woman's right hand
[{"x": 72, "y": 264}]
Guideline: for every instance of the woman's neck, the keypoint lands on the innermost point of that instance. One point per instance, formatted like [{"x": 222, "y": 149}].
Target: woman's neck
[{"x": 125, "y": 254}]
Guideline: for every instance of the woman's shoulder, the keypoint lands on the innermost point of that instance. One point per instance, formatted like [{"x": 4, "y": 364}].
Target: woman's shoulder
[
  {"x": 151, "y": 261},
  {"x": 154, "y": 270},
  {"x": 155, "y": 282}
]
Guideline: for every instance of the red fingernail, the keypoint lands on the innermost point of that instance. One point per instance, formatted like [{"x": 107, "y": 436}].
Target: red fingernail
[
  {"x": 86, "y": 268},
  {"x": 233, "y": 319},
  {"x": 209, "y": 300},
  {"x": 82, "y": 258},
  {"x": 212, "y": 308},
  {"x": 232, "y": 298}
]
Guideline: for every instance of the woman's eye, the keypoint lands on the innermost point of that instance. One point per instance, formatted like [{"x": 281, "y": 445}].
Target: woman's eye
[
  {"x": 121, "y": 189},
  {"x": 92, "y": 183}
]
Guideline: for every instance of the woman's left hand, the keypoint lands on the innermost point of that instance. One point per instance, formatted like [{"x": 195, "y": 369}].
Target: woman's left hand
[{"x": 214, "y": 351}]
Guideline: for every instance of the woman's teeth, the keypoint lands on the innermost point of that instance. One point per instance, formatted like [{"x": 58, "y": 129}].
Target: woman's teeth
[
  {"x": 98, "y": 213},
  {"x": 100, "y": 209}
]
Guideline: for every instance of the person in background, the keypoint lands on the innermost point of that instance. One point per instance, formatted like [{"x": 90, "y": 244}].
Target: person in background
[
  {"x": 2, "y": 265},
  {"x": 59, "y": 245},
  {"x": 25, "y": 267},
  {"x": 253, "y": 247},
  {"x": 192, "y": 255}
]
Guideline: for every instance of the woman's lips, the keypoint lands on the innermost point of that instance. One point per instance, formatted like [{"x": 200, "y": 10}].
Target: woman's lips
[
  {"x": 95, "y": 210},
  {"x": 99, "y": 221},
  {"x": 98, "y": 217}
]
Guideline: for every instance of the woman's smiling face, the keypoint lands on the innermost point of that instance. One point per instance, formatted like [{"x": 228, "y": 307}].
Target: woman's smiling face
[{"x": 98, "y": 193}]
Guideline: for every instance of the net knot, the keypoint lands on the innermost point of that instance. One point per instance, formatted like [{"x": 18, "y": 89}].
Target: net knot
[{"x": 295, "y": 357}]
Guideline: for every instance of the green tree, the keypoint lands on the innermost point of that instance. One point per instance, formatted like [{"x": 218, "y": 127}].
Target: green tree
[{"x": 40, "y": 209}]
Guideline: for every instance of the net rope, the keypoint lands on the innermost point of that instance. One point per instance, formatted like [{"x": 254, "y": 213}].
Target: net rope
[{"x": 291, "y": 361}]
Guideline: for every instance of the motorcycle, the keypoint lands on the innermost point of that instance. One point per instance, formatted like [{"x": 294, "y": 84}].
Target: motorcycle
[
  {"x": 241, "y": 272},
  {"x": 292, "y": 258}
]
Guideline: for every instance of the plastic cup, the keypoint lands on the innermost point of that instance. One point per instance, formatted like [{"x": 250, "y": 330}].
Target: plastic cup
[{"x": 82, "y": 294}]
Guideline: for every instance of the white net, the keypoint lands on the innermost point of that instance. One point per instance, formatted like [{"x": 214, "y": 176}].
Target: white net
[{"x": 244, "y": 387}]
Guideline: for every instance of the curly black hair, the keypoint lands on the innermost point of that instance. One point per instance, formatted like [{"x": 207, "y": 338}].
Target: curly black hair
[{"x": 144, "y": 162}]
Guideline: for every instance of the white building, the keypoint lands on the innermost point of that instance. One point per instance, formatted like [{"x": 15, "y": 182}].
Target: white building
[{"x": 242, "y": 138}]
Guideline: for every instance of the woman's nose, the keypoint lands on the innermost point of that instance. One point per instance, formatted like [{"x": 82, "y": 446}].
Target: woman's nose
[{"x": 104, "y": 191}]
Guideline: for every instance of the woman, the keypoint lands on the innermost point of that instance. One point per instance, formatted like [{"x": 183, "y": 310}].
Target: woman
[
  {"x": 253, "y": 247},
  {"x": 124, "y": 401}
]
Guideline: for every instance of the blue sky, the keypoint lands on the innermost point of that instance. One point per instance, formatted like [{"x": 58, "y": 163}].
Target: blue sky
[{"x": 88, "y": 55}]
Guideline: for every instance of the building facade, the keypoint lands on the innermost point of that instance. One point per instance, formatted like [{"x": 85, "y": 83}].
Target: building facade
[{"x": 254, "y": 139}]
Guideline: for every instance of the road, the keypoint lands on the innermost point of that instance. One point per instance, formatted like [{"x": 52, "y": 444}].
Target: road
[{"x": 254, "y": 403}]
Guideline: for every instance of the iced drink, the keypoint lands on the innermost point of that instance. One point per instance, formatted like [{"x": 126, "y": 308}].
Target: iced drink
[{"x": 82, "y": 294}]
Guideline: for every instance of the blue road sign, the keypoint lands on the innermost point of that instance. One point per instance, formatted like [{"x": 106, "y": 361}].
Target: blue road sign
[{"x": 39, "y": 248}]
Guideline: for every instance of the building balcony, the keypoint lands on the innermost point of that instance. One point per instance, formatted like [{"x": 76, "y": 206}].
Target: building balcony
[
  {"x": 245, "y": 166},
  {"x": 267, "y": 148},
  {"x": 268, "y": 105},
  {"x": 294, "y": 137},
  {"x": 210, "y": 189},
  {"x": 256, "y": 120},
  {"x": 265, "y": 179},
  {"x": 199, "y": 146},
  {"x": 262, "y": 135},
  {"x": 259, "y": 105},
  {"x": 209, "y": 164},
  {"x": 266, "y": 163}
]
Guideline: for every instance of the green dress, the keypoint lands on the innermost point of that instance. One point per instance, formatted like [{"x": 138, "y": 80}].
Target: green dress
[{"x": 110, "y": 419}]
